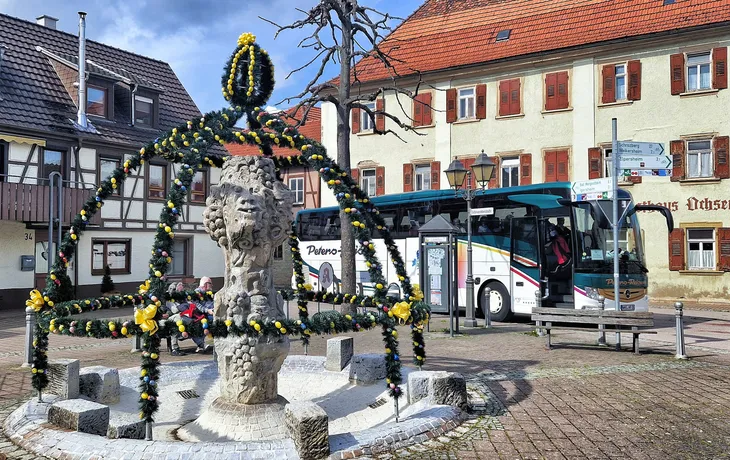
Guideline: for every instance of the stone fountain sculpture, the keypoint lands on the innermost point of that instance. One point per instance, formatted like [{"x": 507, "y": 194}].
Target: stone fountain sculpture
[{"x": 248, "y": 214}]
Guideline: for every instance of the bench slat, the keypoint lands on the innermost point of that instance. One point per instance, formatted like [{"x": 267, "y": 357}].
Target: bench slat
[
  {"x": 585, "y": 329},
  {"x": 608, "y": 313},
  {"x": 594, "y": 320}
]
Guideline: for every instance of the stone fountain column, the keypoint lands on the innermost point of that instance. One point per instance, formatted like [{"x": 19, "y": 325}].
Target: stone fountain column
[{"x": 248, "y": 214}]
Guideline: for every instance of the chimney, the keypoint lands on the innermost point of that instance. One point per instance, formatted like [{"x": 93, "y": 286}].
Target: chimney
[
  {"x": 81, "y": 116},
  {"x": 47, "y": 21}
]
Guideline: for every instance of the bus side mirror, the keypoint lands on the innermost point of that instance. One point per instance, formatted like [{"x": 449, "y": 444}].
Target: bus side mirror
[{"x": 655, "y": 207}]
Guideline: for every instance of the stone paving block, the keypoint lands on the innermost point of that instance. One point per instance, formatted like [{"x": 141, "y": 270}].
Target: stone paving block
[
  {"x": 63, "y": 378},
  {"x": 124, "y": 425},
  {"x": 448, "y": 388},
  {"x": 309, "y": 428},
  {"x": 367, "y": 369},
  {"x": 80, "y": 415},
  {"x": 100, "y": 384},
  {"x": 339, "y": 353}
]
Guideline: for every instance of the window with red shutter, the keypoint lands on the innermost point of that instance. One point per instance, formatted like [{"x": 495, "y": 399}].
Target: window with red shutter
[
  {"x": 515, "y": 105},
  {"x": 595, "y": 163},
  {"x": 608, "y": 76},
  {"x": 525, "y": 169},
  {"x": 450, "y": 105},
  {"x": 503, "y": 98},
  {"x": 563, "y": 166},
  {"x": 355, "y": 174},
  {"x": 467, "y": 162},
  {"x": 435, "y": 175},
  {"x": 634, "y": 71},
  {"x": 551, "y": 94},
  {"x": 676, "y": 64},
  {"x": 676, "y": 149},
  {"x": 355, "y": 120},
  {"x": 417, "y": 111},
  {"x": 719, "y": 68},
  {"x": 427, "y": 117},
  {"x": 481, "y": 111},
  {"x": 550, "y": 166},
  {"x": 563, "y": 91},
  {"x": 676, "y": 249},
  {"x": 407, "y": 177},
  {"x": 380, "y": 118},
  {"x": 494, "y": 181},
  {"x": 723, "y": 242},
  {"x": 721, "y": 144},
  {"x": 380, "y": 181}
]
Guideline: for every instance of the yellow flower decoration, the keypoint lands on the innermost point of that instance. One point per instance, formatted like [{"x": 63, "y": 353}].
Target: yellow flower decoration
[
  {"x": 36, "y": 301},
  {"x": 246, "y": 38},
  {"x": 145, "y": 318},
  {"x": 417, "y": 294},
  {"x": 401, "y": 310}
]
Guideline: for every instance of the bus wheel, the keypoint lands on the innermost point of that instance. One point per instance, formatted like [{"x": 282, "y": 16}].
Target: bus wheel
[{"x": 499, "y": 302}]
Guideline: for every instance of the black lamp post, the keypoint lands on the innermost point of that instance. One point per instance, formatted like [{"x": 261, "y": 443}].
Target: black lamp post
[{"x": 482, "y": 171}]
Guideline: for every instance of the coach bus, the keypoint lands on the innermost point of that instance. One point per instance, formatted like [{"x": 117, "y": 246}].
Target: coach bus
[{"x": 534, "y": 238}]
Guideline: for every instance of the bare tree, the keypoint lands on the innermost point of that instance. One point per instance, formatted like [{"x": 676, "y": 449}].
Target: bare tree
[{"x": 343, "y": 33}]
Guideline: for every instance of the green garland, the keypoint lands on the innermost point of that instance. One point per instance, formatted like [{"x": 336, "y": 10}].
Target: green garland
[{"x": 247, "y": 84}]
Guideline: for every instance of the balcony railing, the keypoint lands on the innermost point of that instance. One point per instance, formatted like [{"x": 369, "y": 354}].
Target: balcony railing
[{"x": 30, "y": 203}]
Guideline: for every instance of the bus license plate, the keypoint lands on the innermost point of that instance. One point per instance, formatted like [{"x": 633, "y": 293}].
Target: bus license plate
[{"x": 628, "y": 307}]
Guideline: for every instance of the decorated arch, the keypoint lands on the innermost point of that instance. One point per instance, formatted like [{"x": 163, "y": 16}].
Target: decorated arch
[{"x": 247, "y": 83}]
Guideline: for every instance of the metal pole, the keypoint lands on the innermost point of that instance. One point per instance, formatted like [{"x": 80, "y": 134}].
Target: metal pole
[
  {"x": 678, "y": 314},
  {"x": 455, "y": 284},
  {"x": 601, "y": 327},
  {"x": 137, "y": 344},
  {"x": 538, "y": 304},
  {"x": 148, "y": 426},
  {"x": 49, "y": 250},
  {"x": 29, "y": 327},
  {"x": 488, "y": 308},
  {"x": 616, "y": 278},
  {"x": 397, "y": 412},
  {"x": 470, "y": 320}
]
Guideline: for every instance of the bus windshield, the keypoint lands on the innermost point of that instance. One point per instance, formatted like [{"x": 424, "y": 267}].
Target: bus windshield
[{"x": 594, "y": 238}]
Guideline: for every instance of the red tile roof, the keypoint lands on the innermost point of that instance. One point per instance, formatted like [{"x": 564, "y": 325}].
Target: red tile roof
[
  {"x": 312, "y": 129},
  {"x": 443, "y": 34}
]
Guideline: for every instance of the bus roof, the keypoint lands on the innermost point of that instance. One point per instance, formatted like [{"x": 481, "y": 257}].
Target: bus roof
[{"x": 436, "y": 195}]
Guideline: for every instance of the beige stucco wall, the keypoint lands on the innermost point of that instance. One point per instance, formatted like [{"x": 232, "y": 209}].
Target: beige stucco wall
[{"x": 16, "y": 240}]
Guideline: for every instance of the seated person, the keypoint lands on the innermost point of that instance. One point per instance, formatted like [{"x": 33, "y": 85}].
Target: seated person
[{"x": 483, "y": 226}]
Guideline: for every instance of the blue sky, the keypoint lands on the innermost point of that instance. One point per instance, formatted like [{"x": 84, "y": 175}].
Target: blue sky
[{"x": 195, "y": 36}]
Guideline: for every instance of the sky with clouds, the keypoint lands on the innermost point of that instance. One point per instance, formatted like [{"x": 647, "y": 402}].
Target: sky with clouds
[{"x": 195, "y": 37}]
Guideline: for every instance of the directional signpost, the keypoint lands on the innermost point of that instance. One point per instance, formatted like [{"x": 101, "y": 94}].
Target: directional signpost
[
  {"x": 594, "y": 189},
  {"x": 644, "y": 162},
  {"x": 640, "y": 148},
  {"x": 639, "y": 151}
]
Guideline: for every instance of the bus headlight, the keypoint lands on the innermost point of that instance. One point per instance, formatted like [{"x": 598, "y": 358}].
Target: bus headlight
[{"x": 592, "y": 293}]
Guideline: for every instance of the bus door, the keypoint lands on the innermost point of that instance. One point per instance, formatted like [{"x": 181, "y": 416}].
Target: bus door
[
  {"x": 557, "y": 262},
  {"x": 524, "y": 263}
]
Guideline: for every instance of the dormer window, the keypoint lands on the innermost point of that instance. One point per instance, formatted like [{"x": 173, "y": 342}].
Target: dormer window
[
  {"x": 96, "y": 101},
  {"x": 143, "y": 111}
]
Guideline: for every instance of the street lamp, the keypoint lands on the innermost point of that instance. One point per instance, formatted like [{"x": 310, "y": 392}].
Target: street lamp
[{"x": 482, "y": 171}]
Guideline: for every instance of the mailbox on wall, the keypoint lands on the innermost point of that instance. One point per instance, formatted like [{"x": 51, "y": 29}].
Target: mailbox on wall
[{"x": 27, "y": 263}]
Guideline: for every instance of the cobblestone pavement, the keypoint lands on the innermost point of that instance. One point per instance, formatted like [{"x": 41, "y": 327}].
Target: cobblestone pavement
[{"x": 576, "y": 401}]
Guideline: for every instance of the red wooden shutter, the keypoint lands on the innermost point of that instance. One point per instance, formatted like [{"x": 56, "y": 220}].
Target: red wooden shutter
[
  {"x": 481, "y": 102},
  {"x": 426, "y": 110},
  {"x": 407, "y": 177},
  {"x": 563, "y": 166},
  {"x": 563, "y": 100},
  {"x": 676, "y": 62},
  {"x": 634, "y": 71},
  {"x": 719, "y": 68},
  {"x": 467, "y": 162},
  {"x": 634, "y": 179},
  {"x": 355, "y": 120},
  {"x": 451, "y": 105},
  {"x": 676, "y": 249},
  {"x": 550, "y": 167},
  {"x": 418, "y": 110},
  {"x": 676, "y": 148},
  {"x": 380, "y": 118},
  {"x": 515, "y": 96},
  {"x": 595, "y": 163},
  {"x": 503, "y": 98},
  {"x": 380, "y": 181},
  {"x": 551, "y": 96},
  {"x": 435, "y": 175},
  {"x": 494, "y": 180},
  {"x": 723, "y": 239},
  {"x": 608, "y": 74},
  {"x": 722, "y": 168},
  {"x": 355, "y": 174},
  {"x": 525, "y": 169}
]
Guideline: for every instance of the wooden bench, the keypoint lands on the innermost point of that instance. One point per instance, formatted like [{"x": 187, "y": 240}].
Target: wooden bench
[{"x": 623, "y": 322}]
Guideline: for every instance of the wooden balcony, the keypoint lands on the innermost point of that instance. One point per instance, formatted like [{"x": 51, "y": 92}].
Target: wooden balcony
[{"x": 30, "y": 203}]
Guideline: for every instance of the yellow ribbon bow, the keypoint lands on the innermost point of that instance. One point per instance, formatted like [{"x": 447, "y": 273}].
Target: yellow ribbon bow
[
  {"x": 417, "y": 294},
  {"x": 36, "y": 301},
  {"x": 144, "y": 317},
  {"x": 402, "y": 310}
]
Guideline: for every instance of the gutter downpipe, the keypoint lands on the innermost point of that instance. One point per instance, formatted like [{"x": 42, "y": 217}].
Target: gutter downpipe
[
  {"x": 134, "y": 93},
  {"x": 81, "y": 114}
]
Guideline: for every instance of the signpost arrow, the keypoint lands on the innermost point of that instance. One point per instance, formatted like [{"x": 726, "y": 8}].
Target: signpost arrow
[
  {"x": 645, "y": 162},
  {"x": 640, "y": 148},
  {"x": 593, "y": 189}
]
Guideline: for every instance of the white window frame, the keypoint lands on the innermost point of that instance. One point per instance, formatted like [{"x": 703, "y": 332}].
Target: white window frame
[
  {"x": 421, "y": 177},
  {"x": 368, "y": 181},
  {"x": 467, "y": 103},
  {"x": 624, "y": 75},
  {"x": 366, "y": 123},
  {"x": 296, "y": 185},
  {"x": 509, "y": 163},
  {"x": 151, "y": 102},
  {"x": 698, "y": 66},
  {"x": 702, "y": 242},
  {"x": 700, "y": 153}
]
